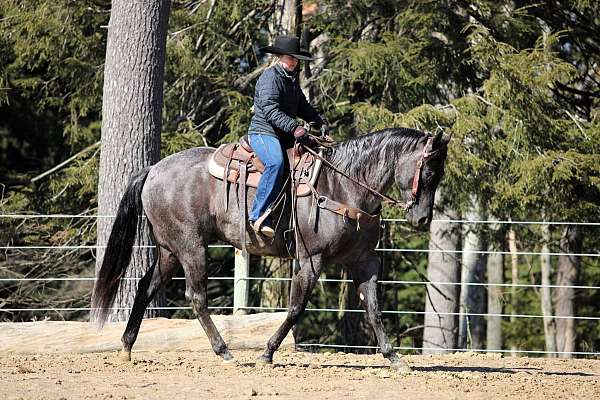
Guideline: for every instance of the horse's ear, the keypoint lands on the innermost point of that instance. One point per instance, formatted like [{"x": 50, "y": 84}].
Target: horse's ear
[
  {"x": 437, "y": 139},
  {"x": 440, "y": 139}
]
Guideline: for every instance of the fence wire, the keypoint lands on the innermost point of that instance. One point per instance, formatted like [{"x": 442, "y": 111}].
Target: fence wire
[
  {"x": 342, "y": 346},
  {"x": 326, "y": 280},
  {"x": 452, "y": 221},
  {"x": 518, "y": 253},
  {"x": 335, "y": 310},
  {"x": 7, "y": 248}
]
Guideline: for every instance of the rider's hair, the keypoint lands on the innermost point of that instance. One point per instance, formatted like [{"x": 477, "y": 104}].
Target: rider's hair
[{"x": 274, "y": 60}]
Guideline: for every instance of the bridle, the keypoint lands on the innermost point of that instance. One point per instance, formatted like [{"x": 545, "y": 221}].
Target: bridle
[{"x": 425, "y": 155}]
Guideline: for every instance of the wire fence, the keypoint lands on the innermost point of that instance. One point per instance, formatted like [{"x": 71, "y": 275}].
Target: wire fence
[
  {"x": 452, "y": 221},
  {"x": 335, "y": 310},
  {"x": 328, "y": 280},
  {"x": 442, "y": 251},
  {"x": 8, "y": 248}
]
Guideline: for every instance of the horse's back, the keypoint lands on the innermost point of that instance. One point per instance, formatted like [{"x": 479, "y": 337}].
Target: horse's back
[
  {"x": 177, "y": 187},
  {"x": 178, "y": 169},
  {"x": 187, "y": 158}
]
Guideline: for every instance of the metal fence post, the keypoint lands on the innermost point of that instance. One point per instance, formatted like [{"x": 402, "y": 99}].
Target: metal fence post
[{"x": 241, "y": 285}]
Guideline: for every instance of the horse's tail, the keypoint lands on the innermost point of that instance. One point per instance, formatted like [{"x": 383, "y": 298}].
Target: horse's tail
[{"x": 118, "y": 249}]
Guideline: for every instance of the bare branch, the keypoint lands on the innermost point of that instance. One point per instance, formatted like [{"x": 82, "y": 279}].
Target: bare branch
[
  {"x": 577, "y": 123},
  {"x": 62, "y": 164}
]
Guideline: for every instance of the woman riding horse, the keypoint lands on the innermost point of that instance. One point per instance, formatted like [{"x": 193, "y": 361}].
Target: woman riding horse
[
  {"x": 278, "y": 100},
  {"x": 185, "y": 212}
]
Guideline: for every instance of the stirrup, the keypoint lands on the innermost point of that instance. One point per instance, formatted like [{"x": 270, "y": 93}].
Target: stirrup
[
  {"x": 261, "y": 219},
  {"x": 258, "y": 225},
  {"x": 263, "y": 229}
]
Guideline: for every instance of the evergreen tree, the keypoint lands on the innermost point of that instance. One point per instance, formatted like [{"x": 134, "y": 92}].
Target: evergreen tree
[{"x": 512, "y": 81}]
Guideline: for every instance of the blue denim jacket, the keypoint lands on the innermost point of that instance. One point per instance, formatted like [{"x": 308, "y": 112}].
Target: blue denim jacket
[{"x": 278, "y": 100}]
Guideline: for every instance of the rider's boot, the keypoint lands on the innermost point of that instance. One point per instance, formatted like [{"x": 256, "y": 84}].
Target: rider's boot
[{"x": 263, "y": 225}]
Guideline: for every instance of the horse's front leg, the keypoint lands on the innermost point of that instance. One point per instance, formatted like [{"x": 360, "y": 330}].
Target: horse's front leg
[
  {"x": 364, "y": 275},
  {"x": 303, "y": 281}
]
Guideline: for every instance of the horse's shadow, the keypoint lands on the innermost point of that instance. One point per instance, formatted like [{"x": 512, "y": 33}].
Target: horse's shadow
[
  {"x": 436, "y": 368},
  {"x": 501, "y": 370},
  {"x": 316, "y": 365}
]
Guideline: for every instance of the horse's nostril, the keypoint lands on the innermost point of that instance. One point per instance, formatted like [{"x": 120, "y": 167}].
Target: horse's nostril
[{"x": 423, "y": 220}]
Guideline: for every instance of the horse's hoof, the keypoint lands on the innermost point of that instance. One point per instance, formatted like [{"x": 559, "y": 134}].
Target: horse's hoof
[
  {"x": 401, "y": 366},
  {"x": 264, "y": 361},
  {"x": 125, "y": 355},
  {"x": 228, "y": 358}
]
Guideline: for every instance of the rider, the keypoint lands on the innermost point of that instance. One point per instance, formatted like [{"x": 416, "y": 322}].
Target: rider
[{"x": 278, "y": 100}]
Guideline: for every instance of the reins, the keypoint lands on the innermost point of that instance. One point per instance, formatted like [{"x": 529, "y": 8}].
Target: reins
[
  {"x": 345, "y": 210},
  {"x": 386, "y": 199}
]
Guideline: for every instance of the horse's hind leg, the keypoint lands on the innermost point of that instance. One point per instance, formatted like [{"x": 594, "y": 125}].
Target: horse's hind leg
[
  {"x": 153, "y": 280},
  {"x": 194, "y": 265},
  {"x": 365, "y": 279}
]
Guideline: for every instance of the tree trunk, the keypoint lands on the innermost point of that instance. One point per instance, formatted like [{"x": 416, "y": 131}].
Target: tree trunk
[
  {"x": 306, "y": 72},
  {"x": 471, "y": 328},
  {"x": 441, "y": 330},
  {"x": 287, "y": 18},
  {"x": 568, "y": 269},
  {"x": 495, "y": 275},
  {"x": 131, "y": 122},
  {"x": 546, "y": 294},
  {"x": 319, "y": 50}
]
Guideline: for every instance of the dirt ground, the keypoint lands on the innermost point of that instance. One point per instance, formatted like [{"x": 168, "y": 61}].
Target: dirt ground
[
  {"x": 172, "y": 360},
  {"x": 295, "y": 375}
]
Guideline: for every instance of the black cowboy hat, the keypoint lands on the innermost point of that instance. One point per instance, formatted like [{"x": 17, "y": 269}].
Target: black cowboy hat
[{"x": 289, "y": 45}]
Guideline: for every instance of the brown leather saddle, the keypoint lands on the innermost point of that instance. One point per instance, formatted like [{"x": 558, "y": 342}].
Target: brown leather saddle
[{"x": 231, "y": 158}]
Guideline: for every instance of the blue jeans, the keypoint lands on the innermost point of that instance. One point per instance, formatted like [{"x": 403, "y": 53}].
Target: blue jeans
[{"x": 269, "y": 150}]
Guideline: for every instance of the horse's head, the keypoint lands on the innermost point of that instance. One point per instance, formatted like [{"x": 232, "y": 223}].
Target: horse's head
[{"x": 418, "y": 184}]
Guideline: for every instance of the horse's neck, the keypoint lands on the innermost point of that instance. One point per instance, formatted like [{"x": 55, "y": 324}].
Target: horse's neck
[{"x": 375, "y": 172}]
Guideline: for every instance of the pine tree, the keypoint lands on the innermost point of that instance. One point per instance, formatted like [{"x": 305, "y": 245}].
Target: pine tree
[{"x": 131, "y": 124}]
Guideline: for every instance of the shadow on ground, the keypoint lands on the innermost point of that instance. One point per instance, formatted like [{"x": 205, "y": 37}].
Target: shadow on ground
[{"x": 436, "y": 368}]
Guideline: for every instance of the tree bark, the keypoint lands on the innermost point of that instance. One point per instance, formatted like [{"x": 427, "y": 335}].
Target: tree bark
[
  {"x": 546, "y": 294},
  {"x": 471, "y": 328},
  {"x": 287, "y": 18},
  {"x": 441, "y": 331},
  {"x": 495, "y": 275},
  {"x": 131, "y": 122},
  {"x": 311, "y": 70},
  {"x": 568, "y": 269}
]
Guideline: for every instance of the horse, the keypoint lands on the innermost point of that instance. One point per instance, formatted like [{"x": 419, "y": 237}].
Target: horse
[{"x": 185, "y": 208}]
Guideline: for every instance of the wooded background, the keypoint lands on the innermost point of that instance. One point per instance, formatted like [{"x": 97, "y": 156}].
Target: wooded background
[{"x": 515, "y": 83}]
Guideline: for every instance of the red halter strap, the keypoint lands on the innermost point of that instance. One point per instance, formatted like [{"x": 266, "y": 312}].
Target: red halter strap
[{"x": 424, "y": 156}]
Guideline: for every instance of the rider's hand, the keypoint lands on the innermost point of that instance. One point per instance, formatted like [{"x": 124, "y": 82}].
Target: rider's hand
[{"x": 299, "y": 132}]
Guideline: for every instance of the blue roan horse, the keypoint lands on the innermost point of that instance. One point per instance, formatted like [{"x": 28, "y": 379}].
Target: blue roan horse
[{"x": 185, "y": 207}]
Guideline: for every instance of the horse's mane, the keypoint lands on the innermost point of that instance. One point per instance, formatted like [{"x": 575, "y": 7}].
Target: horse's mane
[{"x": 355, "y": 155}]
